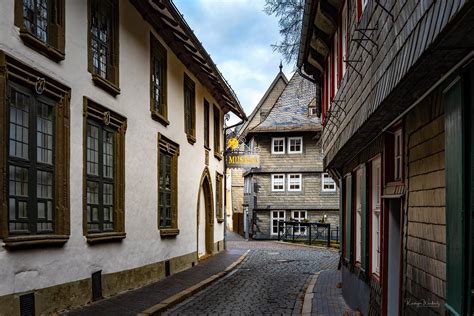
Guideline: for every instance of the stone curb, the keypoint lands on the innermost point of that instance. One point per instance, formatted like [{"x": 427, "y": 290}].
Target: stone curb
[
  {"x": 308, "y": 246},
  {"x": 308, "y": 297},
  {"x": 157, "y": 309}
]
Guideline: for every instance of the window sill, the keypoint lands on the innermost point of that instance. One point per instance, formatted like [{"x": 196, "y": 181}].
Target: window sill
[
  {"x": 207, "y": 148},
  {"x": 169, "y": 232},
  {"x": 191, "y": 139},
  {"x": 19, "y": 242},
  {"x": 106, "y": 85},
  {"x": 220, "y": 220},
  {"x": 105, "y": 237},
  {"x": 43, "y": 48},
  {"x": 217, "y": 155},
  {"x": 160, "y": 118}
]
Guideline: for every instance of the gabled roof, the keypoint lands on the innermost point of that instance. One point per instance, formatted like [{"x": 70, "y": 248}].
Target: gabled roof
[
  {"x": 253, "y": 116},
  {"x": 170, "y": 24},
  {"x": 290, "y": 112}
]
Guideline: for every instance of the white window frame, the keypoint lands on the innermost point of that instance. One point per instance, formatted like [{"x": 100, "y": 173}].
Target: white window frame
[
  {"x": 312, "y": 110},
  {"x": 281, "y": 215},
  {"x": 273, "y": 145},
  {"x": 289, "y": 145},
  {"x": 300, "y": 182},
  {"x": 327, "y": 180},
  {"x": 358, "y": 205},
  {"x": 398, "y": 155},
  {"x": 276, "y": 180},
  {"x": 299, "y": 230},
  {"x": 376, "y": 196}
]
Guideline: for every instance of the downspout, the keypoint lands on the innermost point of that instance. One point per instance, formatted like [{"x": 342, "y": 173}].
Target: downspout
[{"x": 225, "y": 178}]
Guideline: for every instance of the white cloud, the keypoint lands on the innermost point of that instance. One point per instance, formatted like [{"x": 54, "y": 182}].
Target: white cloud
[{"x": 238, "y": 36}]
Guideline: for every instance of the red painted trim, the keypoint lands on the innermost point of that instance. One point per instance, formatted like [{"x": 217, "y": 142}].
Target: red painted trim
[
  {"x": 369, "y": 187},
  {"x": 324, "y": 97},
  {"x": 384, "y": 261},
  {"x": 332, "y": 79},
  {"x": 400, "y": 281},
  {"x": 359, "y": 9},
  {"x": 339, "y": 48}
]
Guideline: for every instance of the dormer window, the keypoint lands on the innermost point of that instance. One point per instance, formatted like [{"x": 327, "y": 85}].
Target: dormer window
[{"x": 278, "y": 145}]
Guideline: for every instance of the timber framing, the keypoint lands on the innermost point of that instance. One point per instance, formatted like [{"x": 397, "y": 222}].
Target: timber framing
[{"x": 169, "y": 23}]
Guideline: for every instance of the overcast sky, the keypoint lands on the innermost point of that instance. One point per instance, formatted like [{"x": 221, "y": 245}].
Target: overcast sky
[{"x": 238, "y": 34}]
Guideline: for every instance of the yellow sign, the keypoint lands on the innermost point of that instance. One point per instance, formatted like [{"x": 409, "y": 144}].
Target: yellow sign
[
  {"x": 236, "y": 160},
  {"x": 233, "y": 143}
]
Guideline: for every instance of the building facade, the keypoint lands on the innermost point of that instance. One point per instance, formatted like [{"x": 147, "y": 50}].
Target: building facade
[
  {"x": 111, "y": 165},
  {"x": 396, "y": 80},
  {"x": 290, "y": 184}
]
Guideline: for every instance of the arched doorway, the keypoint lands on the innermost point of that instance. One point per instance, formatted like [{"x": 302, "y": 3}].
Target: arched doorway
[{"x": 205, "y": 218}]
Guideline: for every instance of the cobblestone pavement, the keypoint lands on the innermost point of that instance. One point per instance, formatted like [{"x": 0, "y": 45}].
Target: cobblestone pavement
[
  {"x": 270, "y": 281},
  {"x": 327, "y": 299}
]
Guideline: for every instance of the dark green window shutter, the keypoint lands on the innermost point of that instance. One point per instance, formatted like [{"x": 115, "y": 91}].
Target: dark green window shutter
[
  {"x": 454, "y": 160},
  {"x": 348, "y": 224},
  {"x": 364, "y": 187}
]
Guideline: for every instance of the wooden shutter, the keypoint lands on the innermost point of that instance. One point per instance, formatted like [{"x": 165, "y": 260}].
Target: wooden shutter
[
  {"x": 455, "y": 206},
  {"x": 348, "y": 225},
  {"x": 19, "y": 13},
  {"x": 364, "y": 186},
  {"x": 56, "y": 31}
]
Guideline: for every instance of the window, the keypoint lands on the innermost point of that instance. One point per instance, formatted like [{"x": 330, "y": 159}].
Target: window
[
  {"x": 295, "y": 145},
  {"x": 158, "y": 81},
  {"x": 168, "y": 152},
  {"x": 104, "y": 169},
  {"x": 219, "y": 202},
  {"x": 276, "y": 217},
  {"x": 344, "y": 41},
  {"x": 42, "y": 25},
  {"x": 34, "y": 157},
  {"x": 278, "y": 145},
  {"x": 328, "y": 184},
  {"x": 376, "y": 196},
  {"x": 206, "y": 124},
  {"x": 189, "y": 109},
  {"x": 103, "y": 44},
  {"x": 278, "y": 182},
  {"x": 398, "y": 155},
  {"x": 299, "y": 216},
  {"x": 312, "y": 111},
  {"x": 217, "y": 133},
  {"x": 358, "y": 206},
  {"x": 248, "y": 185},
  {"x": 294, "y": 182}
]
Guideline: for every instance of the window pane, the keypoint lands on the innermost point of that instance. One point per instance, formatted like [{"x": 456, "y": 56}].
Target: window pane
[
  {"x": 165, "y": 182},
  {"x": 101, "y": 36},
  {"x": 92, "y": 150},
  {"x": 19, "y": 125},
  {"x": 108, "y": 154},
  {"x": 35, "y": 17},
  {"x": 44, "y": 133}
]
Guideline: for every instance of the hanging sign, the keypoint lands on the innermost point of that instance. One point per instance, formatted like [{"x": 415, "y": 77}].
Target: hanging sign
[{"x": 242, "y": 160}]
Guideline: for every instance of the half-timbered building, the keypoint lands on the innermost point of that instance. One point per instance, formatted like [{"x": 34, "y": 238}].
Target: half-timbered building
[
  {"x": 111, "y": 167},
  {"x": 396, "y": 101}
]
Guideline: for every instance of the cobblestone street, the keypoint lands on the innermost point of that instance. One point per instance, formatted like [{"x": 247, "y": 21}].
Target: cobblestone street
[{"x": 270, "y": 281}]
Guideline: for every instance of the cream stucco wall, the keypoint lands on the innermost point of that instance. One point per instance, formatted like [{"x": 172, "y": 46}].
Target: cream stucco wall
[{"x": 26, "y": 270}]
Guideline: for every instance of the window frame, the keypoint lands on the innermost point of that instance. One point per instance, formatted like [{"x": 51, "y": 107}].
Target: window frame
[
  {"x": 170, "y": 147},
  {"x": 111, "y": 83},
  {"x": 278, "y": 218},
  {"x": 301, "y": 145},
  {"x": 219, "y": 198},
  {"x": 274, "y": 177},
  {"x": 273, "y": 146},
  {"x": 54, "y": 47},
  {"x": 159, "y": 53},
  {"x": 300, "y": 177},
  {"x": 376, "y": 214},
  {"x": 117, "y": 123},
  {"x": 324, "y": 181},
  {"x": 358, "y": 216},
  {"x": 300, "y": 230},
  {"x": 398, "y": 155},
  {"x": 189, "y": 109},
  {"x": 217, "y": 132},
  {"x": 207, "y": 124},
  {"x": 14, "y": 72}
]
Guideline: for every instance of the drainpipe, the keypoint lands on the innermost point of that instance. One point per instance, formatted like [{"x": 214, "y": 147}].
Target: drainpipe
[{"x": 225, "y": 178}]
